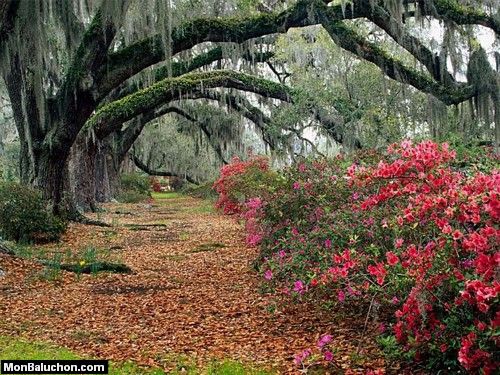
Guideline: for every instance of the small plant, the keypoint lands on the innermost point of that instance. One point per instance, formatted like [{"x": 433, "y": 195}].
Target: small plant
[
  {"x": 24, "y": 216},
  {"x": 52, "y": 271}
]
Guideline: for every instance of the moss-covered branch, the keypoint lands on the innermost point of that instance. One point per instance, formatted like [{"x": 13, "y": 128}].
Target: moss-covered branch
[
  {"x": 132, "y": 59},
  {"x": 111, "y": 116},
  {"x": 90, "y": 268},
  {"x": 395, "y": 29},
  {"x": 348, "y": 39},
  {"x": 460, "y": 14},
  {"x": 179, "y": 68}
]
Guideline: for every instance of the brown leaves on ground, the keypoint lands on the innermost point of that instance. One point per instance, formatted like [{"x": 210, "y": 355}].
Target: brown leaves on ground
[{"x": 193, "y": 292}]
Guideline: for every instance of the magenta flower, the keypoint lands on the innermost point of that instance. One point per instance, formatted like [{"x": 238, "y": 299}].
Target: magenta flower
[
  {"x": 328, "y": 356},
  {"x": 328, "y": 243},
  {"x": 341, "y": 296},
  {"x": 268, "y": 275},
  {"x": 298, "y": 287},
  {"x": 253, "y": 239},
  {"x": 296, "y": 185},
  {"x": 301, "y": 357},
  {"x": 254, "y": 203},
  {"x": 324, "y": 340}
]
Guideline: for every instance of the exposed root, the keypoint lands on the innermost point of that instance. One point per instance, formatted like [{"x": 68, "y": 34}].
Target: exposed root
[{"x": 91, "y": 267}]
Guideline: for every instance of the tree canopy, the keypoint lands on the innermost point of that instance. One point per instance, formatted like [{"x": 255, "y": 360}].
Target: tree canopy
[{"x": 88, "y": 76}]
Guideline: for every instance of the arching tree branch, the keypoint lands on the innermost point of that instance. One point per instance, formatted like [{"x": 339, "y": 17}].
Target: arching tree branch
[
  {"x": 351, "y": 41},
  {"x": 179, "y": 68},
  {"x": 111, "y": 116},
  {"x": 143, "y": 167},
  {"x": 127, "y": 62}
]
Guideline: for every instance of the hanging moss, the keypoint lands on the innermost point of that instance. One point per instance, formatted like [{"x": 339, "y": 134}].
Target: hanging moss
[{"x": 486, "y": 85}]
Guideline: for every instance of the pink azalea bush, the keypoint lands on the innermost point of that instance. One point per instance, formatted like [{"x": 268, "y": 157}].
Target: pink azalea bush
[{"x": 414, "y": 229}]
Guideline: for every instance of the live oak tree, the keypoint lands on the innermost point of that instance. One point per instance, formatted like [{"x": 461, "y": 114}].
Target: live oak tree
[{"x": 76, "y": 72}]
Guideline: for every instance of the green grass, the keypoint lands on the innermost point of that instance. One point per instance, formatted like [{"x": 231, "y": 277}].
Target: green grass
[
  {"x": 233, "y": 368},
  {"x": 166, "y": 195},
  {"x": 212, "y": 246},
  {"x": 205, "y": 207},
  {"x": 15, "y": 348}
]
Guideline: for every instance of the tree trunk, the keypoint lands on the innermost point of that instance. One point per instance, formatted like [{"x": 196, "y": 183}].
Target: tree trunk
[
  {"x": 103, "y": 189},
  {"x": 50, "y": 174},
  {"x": 81, "y": 169}
]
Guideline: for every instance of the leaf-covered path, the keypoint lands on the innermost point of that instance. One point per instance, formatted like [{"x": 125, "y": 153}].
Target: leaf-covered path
[{"x": 193, "y": 292}]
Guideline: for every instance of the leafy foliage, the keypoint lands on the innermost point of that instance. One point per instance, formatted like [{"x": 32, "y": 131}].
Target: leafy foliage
[
  {"x": 406, "y": 230},
  {"x": 24, "y": 216},
  {"x": 134, "y": 187}
]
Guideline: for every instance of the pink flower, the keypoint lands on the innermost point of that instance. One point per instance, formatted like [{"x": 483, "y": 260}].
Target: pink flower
[
  {"x": 324, "y": 340},
  {"x": 301, "y": 357},
  {"x": 298, "y": 287},
  {"x": 381, "y": 328},
  {"x": 328, "y": 243},
  {"x": 341, "y": 296},
  {"x": 398, "y": 243},
  {"x": 296, "y": 185},
  {"x": 268, "y": 275},
  {"x": 328, "y": 356},
  {"x": 392, "y": 259},
  {"x": 254, "y": 203},
  {"x": 446, "y": 229},
  {"x": 253, "y": 239},
  {"x": 457, "y": 235},
  {"x": 395, "y": 300},
  {"x": 378, "y": 271},
  {"x": 282, "y": 254}
]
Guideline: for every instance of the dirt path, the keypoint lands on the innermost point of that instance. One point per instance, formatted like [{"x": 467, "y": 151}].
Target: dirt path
[{"x": 192, "y": 293}]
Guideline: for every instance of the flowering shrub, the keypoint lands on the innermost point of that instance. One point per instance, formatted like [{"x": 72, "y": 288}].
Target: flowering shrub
[
  {"x": 241, "y": 180},
  {"x": 241, "y": 188},
  {"x": 413, "y": 230},
  {"x": 155, "y": 184}
]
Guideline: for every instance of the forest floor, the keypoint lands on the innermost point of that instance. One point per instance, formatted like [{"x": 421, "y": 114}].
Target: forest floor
[{"x": 192, "y": 297}]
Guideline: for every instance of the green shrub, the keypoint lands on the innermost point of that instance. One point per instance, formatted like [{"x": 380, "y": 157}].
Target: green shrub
[
  {"x": 177, "y": 183},
  {"x": 136, "y": 182},
  {"x": 24, "y": 216},
  {"x": 134, "y": 188},
  {"x": 203, "y": 191},
  {"x": 131, "y": 196}
]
